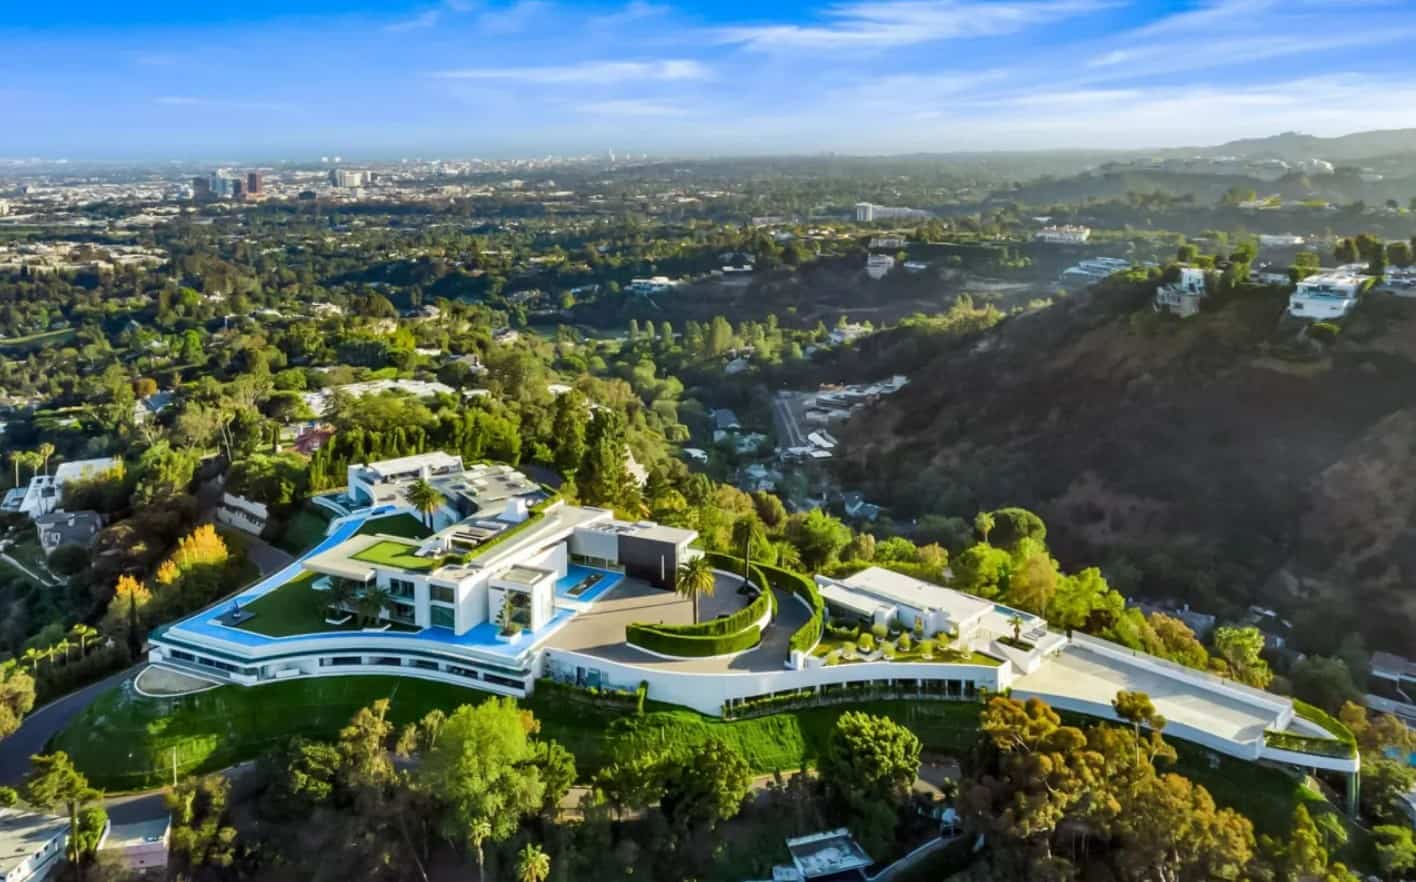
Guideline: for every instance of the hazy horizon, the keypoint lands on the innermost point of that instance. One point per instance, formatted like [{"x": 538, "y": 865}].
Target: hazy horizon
[{"x": 864, "y": 77}]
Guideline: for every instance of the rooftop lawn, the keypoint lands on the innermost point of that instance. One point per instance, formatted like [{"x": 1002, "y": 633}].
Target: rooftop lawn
[
  {"x": 392, "y": 553},
  {"x": 403, "y": 525},
  {"x": 297, "y": 608}
]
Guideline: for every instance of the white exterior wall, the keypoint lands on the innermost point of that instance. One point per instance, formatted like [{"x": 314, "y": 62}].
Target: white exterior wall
[
  {"x": 1245, "y": 750},
  {"x": 595, "y": 543},
  {"x": 706, "y": 693}
]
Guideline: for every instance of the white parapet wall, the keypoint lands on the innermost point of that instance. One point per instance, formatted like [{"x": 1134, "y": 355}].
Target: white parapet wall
[{"x": 708, "y": 692}]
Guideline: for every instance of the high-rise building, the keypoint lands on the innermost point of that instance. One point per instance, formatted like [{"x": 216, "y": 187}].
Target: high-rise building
[
  {"x": 201, "y": 188},
  {"x": 255, "y": 184}
]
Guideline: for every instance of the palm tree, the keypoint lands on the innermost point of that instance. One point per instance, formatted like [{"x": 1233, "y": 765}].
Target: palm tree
[
  {"x": 426, "y": 499},
  {"x": 62, "y": 648},
  {"x": 694, "y": 579},
  {"x": 481, "y": 831},
  {"x": 373, "y": 602},
  {"x": 342, "y": 595},
  {"x": 1017, "y": 622},
  {"x": 46, "y": 450},
  {"x": 532, "y": 864},
  {"x": 83, "y": 633},
  {"x": 33, "y": 656},
  {"x": 16, "y": 457},
  {"x": 983, "y": 523},
  {"x": 743, "y": 530}
]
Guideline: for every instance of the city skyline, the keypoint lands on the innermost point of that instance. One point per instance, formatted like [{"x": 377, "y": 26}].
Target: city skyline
[{"x": 461, "y": 78}]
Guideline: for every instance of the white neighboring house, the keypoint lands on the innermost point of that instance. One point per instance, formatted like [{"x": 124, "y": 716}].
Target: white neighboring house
[
  {"x": 652, "y": 285},
  {"x": 31, "y": 844},
  {"x": 244, "y": 514},
  {"x": 322, "y": 401},
  {"x": 1182, "y": 297},
  {"x": 877, "y": 266},
  {"x": 1280, "y": 240},
  {"x": 1063, "y": 235},
  {"x": 44, "y": 492},
  {"x": 140, "y": 846},
  {"x": 1327, "y": 295}
]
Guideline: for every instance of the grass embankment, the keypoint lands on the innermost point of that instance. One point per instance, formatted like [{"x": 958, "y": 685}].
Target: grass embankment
[{"x": 125, "y": 742}]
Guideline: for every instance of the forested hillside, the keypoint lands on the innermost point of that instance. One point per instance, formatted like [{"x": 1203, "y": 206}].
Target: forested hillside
[{"x": 1219, "y": 461}]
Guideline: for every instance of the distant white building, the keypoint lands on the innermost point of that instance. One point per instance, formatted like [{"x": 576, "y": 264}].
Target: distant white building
[
  {"x": 1327, "y": 295},
  {"x": 1281, "y": 240},
  {"x": 877, "y": 266},
  {"x": 1182, "y": 297},
  {"x": 1064, "y": 235},
  {"x": 653, "y": 285},
  {"x": 140, "y": 846},
  {"x": 868, "y": 212},
  {"x": 44, "y": 492}
]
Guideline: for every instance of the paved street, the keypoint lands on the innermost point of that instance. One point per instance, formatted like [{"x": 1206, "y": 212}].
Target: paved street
[
  {"x": 786, "y": 407},
  {"x": 46, "y": 722}
]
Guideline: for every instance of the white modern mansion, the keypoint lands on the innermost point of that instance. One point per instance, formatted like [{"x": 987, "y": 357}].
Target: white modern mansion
[
  {"x": 471, "y": 603},
  {"x": 44, "y": 492},
  {"x": 1182, "y": 297},
  {"x": 1328, "y": 295},
  {"x": 504, "y": 584},
  {"x": 1063, "y": 235}
]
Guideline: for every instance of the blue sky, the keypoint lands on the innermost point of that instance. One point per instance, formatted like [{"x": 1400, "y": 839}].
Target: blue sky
[{"x": 291, "y": 79}]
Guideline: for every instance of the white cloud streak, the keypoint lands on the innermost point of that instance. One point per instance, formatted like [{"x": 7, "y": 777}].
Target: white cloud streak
[
  {"x": 598, "y": 73},
  {"x": 882, "y": 24}
]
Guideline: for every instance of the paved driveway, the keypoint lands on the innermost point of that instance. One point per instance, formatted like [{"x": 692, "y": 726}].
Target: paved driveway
[
  {"x": 46, "y": 722},
  {"x": 600, "y": 631}
]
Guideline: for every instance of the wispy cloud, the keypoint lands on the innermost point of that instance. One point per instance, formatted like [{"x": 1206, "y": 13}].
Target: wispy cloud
[
  {"x": 512, "y": 19},
  {"x": 587, "y": 73},
  {"x": 429, "y": 17},
  {"x": 631, "y": 107},
  {"x": 889, "y": 23}
]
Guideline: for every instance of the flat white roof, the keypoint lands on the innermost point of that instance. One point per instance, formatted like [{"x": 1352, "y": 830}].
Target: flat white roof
[
  {"x": 24, "y": 833},
  {"x": 70, "y": 470},
  {"x": 891, "y": 587},
  {"x": 437, "y": 459}
]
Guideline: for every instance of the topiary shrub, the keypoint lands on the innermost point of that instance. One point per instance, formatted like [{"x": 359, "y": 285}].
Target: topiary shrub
[
  {"x": 1323, "y": 332},
  {"x": 879, "y": 630},
  {"x": 867, "y": 643},
  {"x": 905, "y": 643},
  {"x": 926, "y": 648},
  {"x": 888, "y": 650}
]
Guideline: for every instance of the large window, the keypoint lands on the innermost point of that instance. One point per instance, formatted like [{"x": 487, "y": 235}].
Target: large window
[
  {"x": 400, "y": 588},
  {"x": 442, "y": 617},
  {"x": 442, "y": 594}
]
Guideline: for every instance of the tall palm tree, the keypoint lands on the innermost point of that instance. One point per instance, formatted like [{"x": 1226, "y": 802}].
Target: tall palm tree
[
  {"x": 16, "y": 457},
  {"x": 532, "y": 864},
  {"x": 372, "y": 602},
  {"x": 32, "y": 656},
  {"x": 342, "y": 595},
  {"x": 694, "y": 579},
  {"x": 62, "y": 648},
  {"x": 1017, "y": 622},
  {"x": 83, "y": 633},
  {"x": 983, "y": 523},
  {"x": 45, "y": 451},
  {"x": 744, "y": 530},
  {"x": 426, "y": 499},
  {"x": 481, "y": 831}
]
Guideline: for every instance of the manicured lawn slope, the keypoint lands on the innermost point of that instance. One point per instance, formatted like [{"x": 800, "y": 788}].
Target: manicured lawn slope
[{"x": 125, "y": 742}]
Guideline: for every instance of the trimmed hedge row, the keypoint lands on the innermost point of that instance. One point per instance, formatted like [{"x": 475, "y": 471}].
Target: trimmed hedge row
[
  {"x": 1306, "y": 744},
  {"x": 1335, "y": 727},
  {"x": 731, "y": 624},
  {"x": 808, "y": 635},
  {"x": 656, "y": 638}
]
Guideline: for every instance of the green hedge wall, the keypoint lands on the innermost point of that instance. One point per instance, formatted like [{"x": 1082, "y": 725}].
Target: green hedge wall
[
  {"x": 809, "y": 634},
  {"x": 658, "y": 639},
  {"x": 739, "y": 620}
]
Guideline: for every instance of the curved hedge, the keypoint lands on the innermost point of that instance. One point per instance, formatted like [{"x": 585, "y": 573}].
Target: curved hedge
[
  {"x": 1333, "y": 725},
  {"x": 658, "y": 638},
  {"x": 731, "y": 624},
  {"x": 805, "y": 638}
]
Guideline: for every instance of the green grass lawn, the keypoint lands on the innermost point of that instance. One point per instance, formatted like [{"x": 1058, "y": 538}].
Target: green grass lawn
[
  {"x": 37, "y": 341},
  {"x": 124, "y": 742},
  {"x": 404, "y": 525},
  {"x": 304, "y": 530},
  {"x": 297, "y": 608},
  {"x": 392, "y": 553}
]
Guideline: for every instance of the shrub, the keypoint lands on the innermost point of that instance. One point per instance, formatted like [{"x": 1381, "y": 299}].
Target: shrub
[
  {"x": 905, "y": 643},
  {"x": 926, "y": 648},
  {"x": 1323, "y": 332},
  {"x": 879, "y": 630},
  {"x": 888, "y": 650},
  {"x": 867, "y": 643}
]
